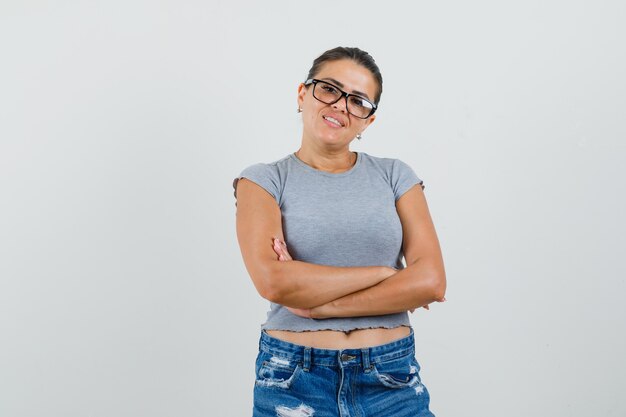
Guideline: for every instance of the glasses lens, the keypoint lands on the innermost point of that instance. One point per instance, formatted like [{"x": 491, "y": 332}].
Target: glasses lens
[
  {"x": 329, "y": 94},
  {"x": 326, "y": 93},
  {"x": 359, "y": 107}
]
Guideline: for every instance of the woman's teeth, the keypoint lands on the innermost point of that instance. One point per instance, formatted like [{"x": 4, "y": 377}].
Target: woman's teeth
[{"x": 330, "y": 119}]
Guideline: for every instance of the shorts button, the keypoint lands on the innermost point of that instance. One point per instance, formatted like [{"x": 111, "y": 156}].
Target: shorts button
[{"x": 345, "y": 357}]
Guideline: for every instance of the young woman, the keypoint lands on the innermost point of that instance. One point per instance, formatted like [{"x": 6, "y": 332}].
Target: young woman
[{"x": 322, "y": 233}]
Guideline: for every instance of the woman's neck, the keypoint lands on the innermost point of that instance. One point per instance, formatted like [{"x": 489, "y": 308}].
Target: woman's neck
[{"x": 334, "y": 163}]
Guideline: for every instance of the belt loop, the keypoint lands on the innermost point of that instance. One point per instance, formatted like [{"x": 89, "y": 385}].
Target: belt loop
[
  {"x": 307, "y": 359},
  {"x": 365, "y": 356}
]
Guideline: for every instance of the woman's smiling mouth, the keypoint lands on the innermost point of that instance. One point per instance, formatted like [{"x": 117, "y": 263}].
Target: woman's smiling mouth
[{"x": 333, "y": 121}]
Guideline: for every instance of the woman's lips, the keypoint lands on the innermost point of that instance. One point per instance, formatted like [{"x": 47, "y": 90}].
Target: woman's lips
[{"x": 331, "y": 121}]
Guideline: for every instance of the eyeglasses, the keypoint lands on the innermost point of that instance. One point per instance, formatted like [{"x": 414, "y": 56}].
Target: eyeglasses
[{"x": 330, "y": 94}]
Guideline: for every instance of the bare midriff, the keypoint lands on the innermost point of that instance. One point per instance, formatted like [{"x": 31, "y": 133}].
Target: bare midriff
[{"x": 333, "y": 339}]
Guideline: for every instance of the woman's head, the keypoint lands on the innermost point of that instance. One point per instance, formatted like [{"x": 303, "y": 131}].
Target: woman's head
[
  {"x": 330, "y": 118},
  {"x": 356, "y": 55}
]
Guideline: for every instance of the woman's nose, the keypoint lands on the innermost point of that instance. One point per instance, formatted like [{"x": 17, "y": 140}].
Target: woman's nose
[{"x": 341, "y": 105}]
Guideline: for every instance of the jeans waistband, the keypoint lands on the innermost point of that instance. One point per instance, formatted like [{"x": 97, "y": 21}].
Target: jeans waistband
[{"x": 337, "y": 357}]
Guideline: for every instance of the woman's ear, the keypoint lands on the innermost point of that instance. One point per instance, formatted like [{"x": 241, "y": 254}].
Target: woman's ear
[
  {"x": 301, "y": 93},
  {"x": 369, "y": 121}
]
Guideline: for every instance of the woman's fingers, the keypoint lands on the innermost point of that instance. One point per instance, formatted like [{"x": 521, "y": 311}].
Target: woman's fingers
[
  {"x": 281, "y": 250},
  {"x": 302, "y": 312},
  {"x": 286, "y": 252},
  {"x": 427, "y": 306},
  {"x": 278, "y": 249}
]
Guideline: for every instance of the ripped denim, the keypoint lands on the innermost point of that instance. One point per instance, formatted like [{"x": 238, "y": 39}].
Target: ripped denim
[{"x": 298, "y": 381}]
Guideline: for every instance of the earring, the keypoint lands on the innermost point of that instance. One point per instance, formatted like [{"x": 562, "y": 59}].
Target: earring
[
  {"x": 358, "y": 136},
  {"x": 299, "y": 109}
]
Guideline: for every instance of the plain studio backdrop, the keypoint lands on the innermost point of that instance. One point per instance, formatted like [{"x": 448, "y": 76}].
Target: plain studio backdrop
[{"x": 122, "y": 125}]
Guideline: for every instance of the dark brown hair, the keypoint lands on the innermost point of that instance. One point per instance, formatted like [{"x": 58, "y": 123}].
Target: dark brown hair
[{"x": 354, "y": 54}]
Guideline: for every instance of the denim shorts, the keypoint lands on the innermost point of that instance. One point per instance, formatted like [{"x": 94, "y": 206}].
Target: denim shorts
[{"x": 299, "y": 381}]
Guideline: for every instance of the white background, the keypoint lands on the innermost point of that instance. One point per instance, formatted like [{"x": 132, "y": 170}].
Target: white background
[{"x": 123, "y": 124}]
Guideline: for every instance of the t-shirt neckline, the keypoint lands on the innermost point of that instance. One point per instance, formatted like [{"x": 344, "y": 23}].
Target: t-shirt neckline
[{"x": 328, "y": 174}]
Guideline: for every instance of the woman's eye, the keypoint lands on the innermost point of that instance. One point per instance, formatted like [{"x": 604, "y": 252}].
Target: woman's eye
[
  {"x": 357, "y": 101},
  {"x": 329, "y": 89}
]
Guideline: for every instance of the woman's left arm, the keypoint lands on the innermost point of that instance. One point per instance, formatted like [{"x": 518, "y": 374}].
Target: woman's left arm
[{"x": 422, "y": 282}]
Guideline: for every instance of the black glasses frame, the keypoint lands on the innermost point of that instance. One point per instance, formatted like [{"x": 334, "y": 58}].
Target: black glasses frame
[{"x": 343, "y": 94}]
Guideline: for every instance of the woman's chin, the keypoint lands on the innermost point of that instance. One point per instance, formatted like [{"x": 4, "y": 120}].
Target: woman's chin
[{"x": 334, "y": 140}]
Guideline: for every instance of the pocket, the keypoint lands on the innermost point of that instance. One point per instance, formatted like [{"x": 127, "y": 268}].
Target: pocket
[
  {"x": 275, "y": 371},
  {"x": 401, "y": 372}
]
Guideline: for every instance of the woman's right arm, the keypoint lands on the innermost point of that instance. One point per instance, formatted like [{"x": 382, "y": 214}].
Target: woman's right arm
[{"x": 293, "y": 284}]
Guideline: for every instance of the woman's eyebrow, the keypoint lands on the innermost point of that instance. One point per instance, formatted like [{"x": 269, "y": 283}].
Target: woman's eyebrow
[{"x": 340, "y": 85}]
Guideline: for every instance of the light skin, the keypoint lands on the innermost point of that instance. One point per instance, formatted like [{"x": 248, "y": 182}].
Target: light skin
[
  {"x": 325, "y": 146},
  {"x": 321, "y": 291},
  {"x": 327, "y": 310}
]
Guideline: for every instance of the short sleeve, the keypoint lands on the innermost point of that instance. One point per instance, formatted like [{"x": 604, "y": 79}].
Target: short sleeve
[
  {"x": 403, "y": 178},
  {"x": 264, "y": 175}
]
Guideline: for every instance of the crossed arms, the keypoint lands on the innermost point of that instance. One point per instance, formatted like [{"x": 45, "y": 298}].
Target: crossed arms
[{"x": 322, "y": 291}]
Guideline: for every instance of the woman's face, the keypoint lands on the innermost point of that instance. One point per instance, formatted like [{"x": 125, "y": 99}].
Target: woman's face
[{"x": 331, "y": 124}]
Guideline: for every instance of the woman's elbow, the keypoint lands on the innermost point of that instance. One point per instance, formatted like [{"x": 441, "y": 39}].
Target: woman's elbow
[
  {"x": 432, "y": 284},
  {"x": 268, "y": 283},
  {"x": 437, "y": 285},
  {"x": 439, "y": 289},
  {"x": 266, "y": 291}
]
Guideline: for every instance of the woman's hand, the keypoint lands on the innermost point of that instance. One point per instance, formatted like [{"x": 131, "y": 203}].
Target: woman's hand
[
  {"x": 280, "y": 248},
  {"x": 427, "y": 305},
  {"x": 302, "y": 312}
]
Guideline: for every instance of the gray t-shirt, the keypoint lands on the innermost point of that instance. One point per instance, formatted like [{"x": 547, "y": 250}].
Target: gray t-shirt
[{"x": 344, "y": 219}]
